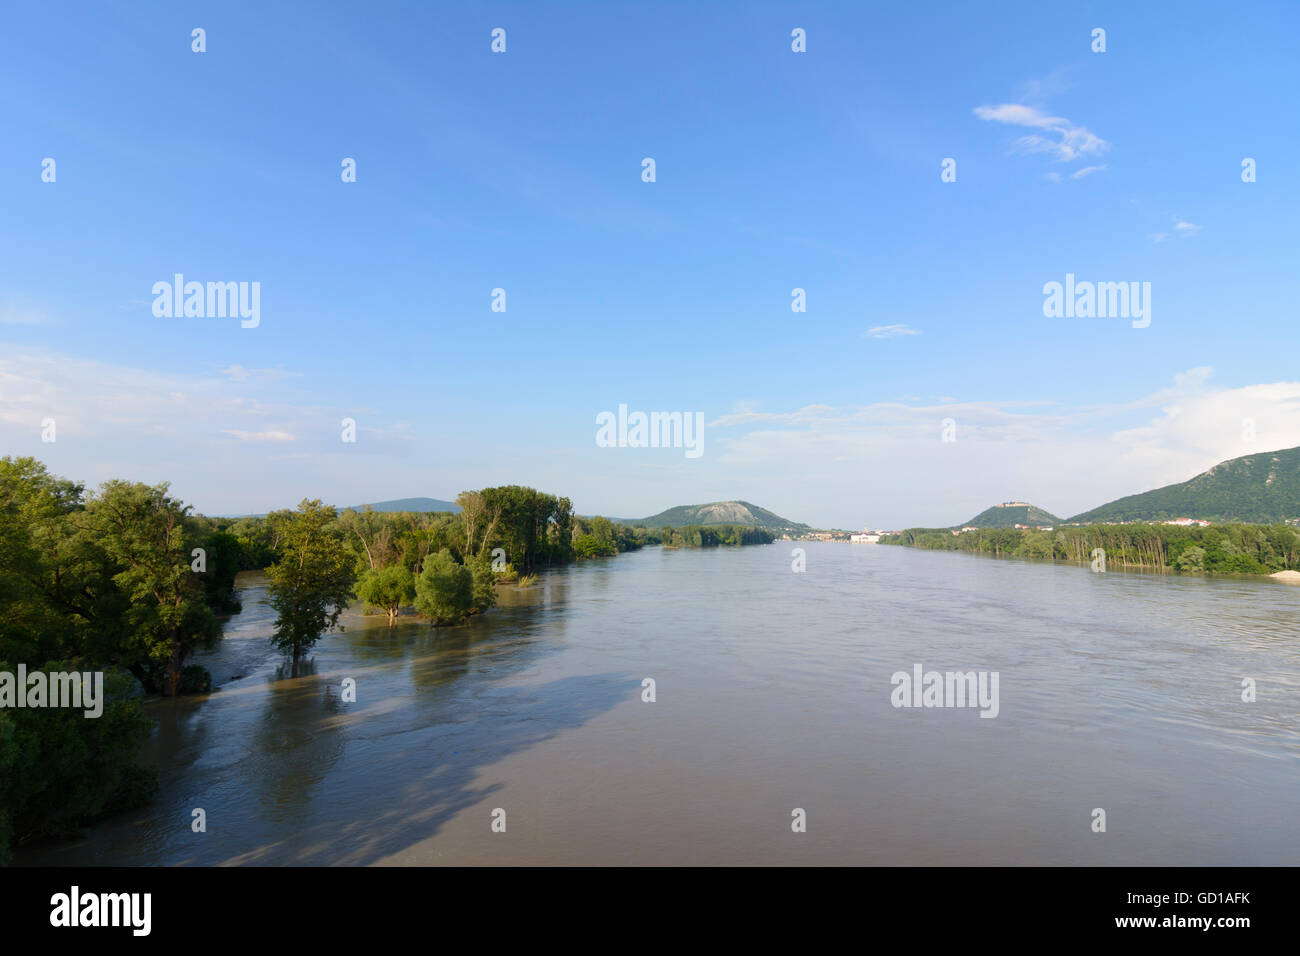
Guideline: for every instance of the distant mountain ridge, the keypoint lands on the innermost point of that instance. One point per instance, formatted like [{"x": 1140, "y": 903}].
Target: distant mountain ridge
[
  {"x": 1011, "y": 513},
  {"x": 409, "y": 504},
  {"x": 396, "y": 504},
  {"x": 1258, "y": 489},
  {"x": 719, "y": 512}
]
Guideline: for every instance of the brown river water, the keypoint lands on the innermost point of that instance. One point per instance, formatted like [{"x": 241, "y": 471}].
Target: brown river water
[{"x": 773, "y": 692}]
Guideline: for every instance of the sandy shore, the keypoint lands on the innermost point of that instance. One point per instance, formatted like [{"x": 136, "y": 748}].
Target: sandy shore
[{"x": 1286, "y": 577}]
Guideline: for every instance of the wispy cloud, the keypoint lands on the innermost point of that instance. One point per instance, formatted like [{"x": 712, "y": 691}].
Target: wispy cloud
[
  {"x": 238, "y": 373},
  {"x": 221, "y": 448},
  {"x": 1087, "y": 171},
  {"x": 266, "y": 434},
  {"x": 1038, "y": 89},
  {"x": 1181, "y": 227},
  {"x": 18, "y": 315},
  {"x": 1060, "y": 137},
  {"x": 889, "y": 331},
  {"x": 1067, "y": 457}
]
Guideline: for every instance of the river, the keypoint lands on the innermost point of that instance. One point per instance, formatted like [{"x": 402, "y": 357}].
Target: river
[{"x": 1120, "y": 692}]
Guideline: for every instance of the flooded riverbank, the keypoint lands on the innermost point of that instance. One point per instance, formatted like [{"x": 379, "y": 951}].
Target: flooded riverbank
[{"x": 773, "y": 692}]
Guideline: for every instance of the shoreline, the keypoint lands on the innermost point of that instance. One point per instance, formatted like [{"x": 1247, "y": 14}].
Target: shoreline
[{"x": 1286, "y": 576}]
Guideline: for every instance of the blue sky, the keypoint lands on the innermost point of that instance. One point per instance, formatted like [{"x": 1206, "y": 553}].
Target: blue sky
[{"x": 775, "y": 170}]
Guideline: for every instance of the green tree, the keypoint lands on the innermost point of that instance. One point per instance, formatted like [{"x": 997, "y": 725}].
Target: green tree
[
  {"x": 312, "y": 581},
  {"x": 40, "y": 615},
  {"x": 223, "y": 557},
  {"x": 59, "y": 770},
  {"x": 444, "y": 590},
  {"x": 145, "y": 532},
  {"x": 387, "y": 589},
  {"x": 485, "y": 583}
]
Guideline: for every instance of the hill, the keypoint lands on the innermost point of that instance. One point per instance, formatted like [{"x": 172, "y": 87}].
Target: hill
[
  {"x": 1259, "y": 489},
  {"x": 410, "y": 504},
  {"x": 1012, "y": 513},
  {"x": 720, "y": 512}
]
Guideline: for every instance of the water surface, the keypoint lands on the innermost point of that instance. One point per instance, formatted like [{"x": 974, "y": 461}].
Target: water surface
[{"x": 1118, "y": 691}]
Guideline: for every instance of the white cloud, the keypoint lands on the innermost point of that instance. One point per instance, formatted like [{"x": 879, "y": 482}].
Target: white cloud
[
  {"x": 266, "y": 434},
  {"x": 1087, "y": 171},
  {"x": 887, "y": 464},
  {"x": 881, "y": 464},
  {"x": 1067, "y": 142},
  {"x": 889, "y": 331},
  {"x": 220, "y": 448},
  {"x": 19, "y": 315},
  {"x": 1181, "y": 227},
  {"x": 238, "y": 373}
]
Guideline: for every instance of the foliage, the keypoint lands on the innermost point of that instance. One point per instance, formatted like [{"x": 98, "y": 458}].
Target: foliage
[
  {"x": 444, "y": 591},
  {"x": 145, "y": 532},
  {"x": 223, "y": 557},
  {"x": 485, "y": 584},
  {"x": 60, "y": 770},
  {"x": 312, "y": 582},
  {"x": 1218, "y": 549},
  {"x": 712, "y": 536},
  {"x": 534, "y": 528},
  {"x": 1263, "y": 488},
  {"x": 388, "y": 589}
]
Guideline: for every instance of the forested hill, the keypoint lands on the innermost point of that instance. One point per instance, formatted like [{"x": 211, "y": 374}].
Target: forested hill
[
  {"x": 396, "y": 505},
  {"x": 1260, "y": 489},
  {"x": 720, "y": 512},
  {"x": 1010, "y": 515},
  {"x": 417, "y": 505}
]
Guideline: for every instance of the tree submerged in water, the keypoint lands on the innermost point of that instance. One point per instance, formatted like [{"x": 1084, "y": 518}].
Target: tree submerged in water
[
  {"x": 389, "y": 589},
  {"x": 312, "y": 582},
  {"x": 444, "y": 591}
]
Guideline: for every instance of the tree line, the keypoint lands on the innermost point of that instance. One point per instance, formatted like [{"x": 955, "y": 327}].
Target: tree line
[
  {"x": 713, "y": 536},
  {"x": 127, "y": 580},
  {"x": 1234, "y": 548}
]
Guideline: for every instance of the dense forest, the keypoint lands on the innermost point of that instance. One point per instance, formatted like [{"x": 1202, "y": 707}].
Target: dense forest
[
  {"x": 127, "y": 581},
  {"x": 712, "y": 536},
  {"x": 1218, "y": 549},
  {"x": 1261, "y": 489}
]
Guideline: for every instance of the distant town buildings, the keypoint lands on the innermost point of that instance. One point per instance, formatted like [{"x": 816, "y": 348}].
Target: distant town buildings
[{"x": 1188, "y": 522}]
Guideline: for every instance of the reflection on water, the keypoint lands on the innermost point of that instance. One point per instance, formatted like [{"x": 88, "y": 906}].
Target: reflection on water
[{"x": 1119, "y": 691}]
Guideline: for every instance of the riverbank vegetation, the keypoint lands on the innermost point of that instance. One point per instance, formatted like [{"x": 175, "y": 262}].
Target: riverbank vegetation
[
  {"x": 713, "y": 536},
  {"x": 127, "y": 581},
  {"x": 1216, "y": 549}
]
